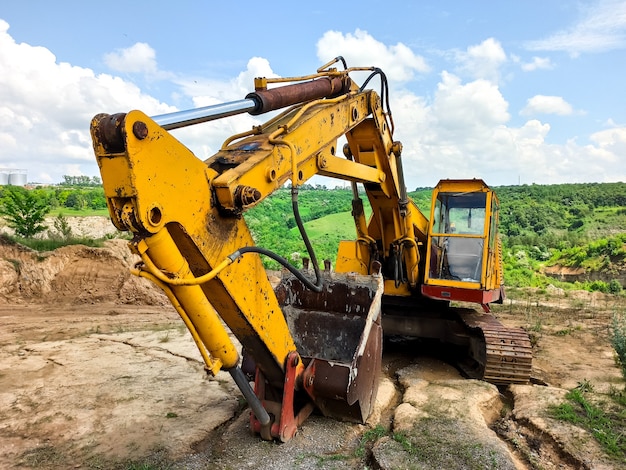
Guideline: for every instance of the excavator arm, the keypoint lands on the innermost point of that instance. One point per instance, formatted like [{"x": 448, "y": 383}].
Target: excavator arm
[{"x": 185, "y": 216}]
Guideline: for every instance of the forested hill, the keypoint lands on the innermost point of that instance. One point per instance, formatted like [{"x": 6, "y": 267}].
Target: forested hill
[
  {"x": 580, "y": 226},
  {"x": 596, "y": 209},
  {"x": 552, "y": 215}
]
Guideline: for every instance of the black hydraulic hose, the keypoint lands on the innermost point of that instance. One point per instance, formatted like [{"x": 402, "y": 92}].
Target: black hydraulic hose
[
  {"x": 384, "y": 86},
  {"x": 402, "y": 267},
  {"x": 244, "y": 386},
  {"x": 340, "y": 58},
  {"x": 398, "y": 267},
  {"x": 384, "y": 90},
  {"x": 376, "y": 71},
  {"x": 317, "y": 287}
]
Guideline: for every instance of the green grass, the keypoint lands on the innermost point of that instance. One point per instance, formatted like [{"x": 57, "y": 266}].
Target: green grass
[
  {"x": 368, "y": 438},
  {"x": 340, "y": 226},
  {"x": 618, "y": 340},
  {"x": 325, "y": 234},
  {"x": 337, "y": 225},
  {"x": 405, "y": 442},
  {"x": 41, "y": 244},
  {"x": 604, "y": 419},
  {"x": 69, "y": 212}
]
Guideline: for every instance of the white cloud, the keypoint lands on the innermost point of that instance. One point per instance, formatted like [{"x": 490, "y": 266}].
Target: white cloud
[
  {"x": 257, "y": 67},
  {"x": 462, "y": 107},
  {"x": 46, "y": 107},
  {"x": 541, "y": 104},
  {"x": 537, "y": 63},
  {"x": 601, "y": 28},
  {"x": 360, "y": 49},
  {"x": 460, "y": 129},
  {"x": 458, "y": 134},
  {"x": 465, "y": 132},
  {"x": 613, "y": 141},
  {"x": 207, "y": 92},
  {"x": 483, "y": 60},
  {"x": 138, "y": 58}
]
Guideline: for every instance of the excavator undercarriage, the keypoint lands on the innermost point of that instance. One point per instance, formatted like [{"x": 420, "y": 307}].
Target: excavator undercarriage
[{"x": 478, "y": 344}]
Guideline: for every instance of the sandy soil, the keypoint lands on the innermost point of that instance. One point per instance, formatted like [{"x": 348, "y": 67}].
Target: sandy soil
[{"x": 98, "y": 371}]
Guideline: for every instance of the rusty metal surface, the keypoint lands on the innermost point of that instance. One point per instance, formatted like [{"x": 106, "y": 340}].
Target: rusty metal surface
[
  {"x": 108, "y": 129},
  {"x": 339, "y": 337},
  {"x": 280, "y": 97}
]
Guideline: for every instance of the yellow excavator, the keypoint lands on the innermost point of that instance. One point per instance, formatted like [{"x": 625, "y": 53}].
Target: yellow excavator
[{"x": 314, "y": 341}]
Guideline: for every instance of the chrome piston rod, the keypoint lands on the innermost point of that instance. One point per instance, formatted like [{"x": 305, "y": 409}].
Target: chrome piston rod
[
  {"x": 190, "y": 117},
  {"x": 258, "y": 102}
]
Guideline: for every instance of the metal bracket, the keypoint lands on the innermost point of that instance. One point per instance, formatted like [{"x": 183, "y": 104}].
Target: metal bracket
[{"x": 286, "y": 420}]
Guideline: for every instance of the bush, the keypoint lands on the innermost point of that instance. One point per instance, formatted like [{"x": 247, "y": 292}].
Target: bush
[
  {"x": 600, "y": 286},
  {"x": 618, "y": 340},
  {"x": 24, "y": 211},
  {"x": 615, "y": 287},
  {"x": 62, "y": 228}
]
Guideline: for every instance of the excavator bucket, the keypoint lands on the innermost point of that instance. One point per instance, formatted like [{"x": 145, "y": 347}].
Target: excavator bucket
[{"x": 338, "y": 334}]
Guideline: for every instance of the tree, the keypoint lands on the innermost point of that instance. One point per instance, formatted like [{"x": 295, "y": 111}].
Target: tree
[
  {"x": 81, "y": 180},
  {"x": 62, "y": 227},
  {"x": 76, "y": 199},
  {"x": 24, "y": 211}
]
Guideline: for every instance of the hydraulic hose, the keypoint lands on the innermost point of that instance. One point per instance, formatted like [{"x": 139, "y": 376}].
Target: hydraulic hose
[
  {"x": 315, "y": 287},
  {"x": 384, "y": 92},
  {"x": 255, "y": 404}
]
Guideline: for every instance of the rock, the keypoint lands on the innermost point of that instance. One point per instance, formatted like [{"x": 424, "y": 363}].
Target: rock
[
  {"x": 551, "y": 436},
  {"x": 387, "y": 396},
  {"x": 442, "y": 424}
]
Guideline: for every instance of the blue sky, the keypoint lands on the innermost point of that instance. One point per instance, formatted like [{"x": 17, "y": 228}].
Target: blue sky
[{"x": 510, "y": 92}]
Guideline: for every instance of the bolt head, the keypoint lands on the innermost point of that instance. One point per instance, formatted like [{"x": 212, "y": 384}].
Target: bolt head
[{"x": 140, "y": 130}]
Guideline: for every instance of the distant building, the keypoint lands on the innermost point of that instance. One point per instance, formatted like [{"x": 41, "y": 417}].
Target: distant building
[{"x": 13, "y": 177}]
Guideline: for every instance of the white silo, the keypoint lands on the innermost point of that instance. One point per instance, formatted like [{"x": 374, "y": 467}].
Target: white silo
[
  {"x": 17, "y": 178},
  {"x": 4, "y": 177}
]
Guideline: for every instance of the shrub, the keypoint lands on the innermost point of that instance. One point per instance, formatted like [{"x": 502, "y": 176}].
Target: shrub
[
  {"x": 618, "y": 340},
  {"x": 599, "y": 286},
  {"x": 615, "y": 287},
  {"x": 62, "y": 228},
  {"x": 24, "y": 211}
]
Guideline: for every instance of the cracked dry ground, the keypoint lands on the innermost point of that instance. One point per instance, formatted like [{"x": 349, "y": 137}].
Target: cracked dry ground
[{"x": 98, "y": 371}]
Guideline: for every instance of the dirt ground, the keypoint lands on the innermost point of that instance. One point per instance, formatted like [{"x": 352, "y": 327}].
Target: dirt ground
[{"x": 98, "y": 371}]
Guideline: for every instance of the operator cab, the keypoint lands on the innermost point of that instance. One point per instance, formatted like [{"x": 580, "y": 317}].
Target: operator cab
[
  {"x": 463, "y": 248},
  {"x": 458, "y": 236}
]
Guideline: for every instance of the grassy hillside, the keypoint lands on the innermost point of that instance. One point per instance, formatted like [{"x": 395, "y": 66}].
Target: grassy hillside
[
  {"x": 540, "y": 226},
  {"x": 548, "y": 225}
]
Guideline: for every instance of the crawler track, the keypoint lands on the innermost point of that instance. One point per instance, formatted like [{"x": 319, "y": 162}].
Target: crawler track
[{"x": 502, "y": 355}]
